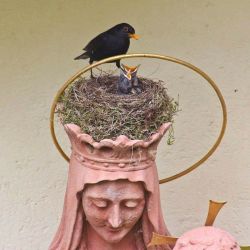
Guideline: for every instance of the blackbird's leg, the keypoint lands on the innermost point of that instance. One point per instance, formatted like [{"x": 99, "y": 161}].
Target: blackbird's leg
[
  {"x": 91, "y": 73},
  {"x": 118, "y": 65}
]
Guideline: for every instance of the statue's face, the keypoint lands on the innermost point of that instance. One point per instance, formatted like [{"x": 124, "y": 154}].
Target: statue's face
[{"x": 112, "y": 208}]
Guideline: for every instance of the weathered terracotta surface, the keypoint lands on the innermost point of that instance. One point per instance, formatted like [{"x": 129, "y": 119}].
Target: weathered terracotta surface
[
  {"x": 206, "y": 238},
  {"x": 112, "y": 209},
  {"x": 101, "y": 166}
]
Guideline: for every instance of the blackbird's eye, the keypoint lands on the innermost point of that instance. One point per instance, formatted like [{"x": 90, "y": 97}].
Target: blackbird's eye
[{"x": 125, "y": 29}]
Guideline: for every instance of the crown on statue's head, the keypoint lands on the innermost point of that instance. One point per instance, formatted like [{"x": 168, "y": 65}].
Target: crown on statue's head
[{"x": 121, "y": 154}]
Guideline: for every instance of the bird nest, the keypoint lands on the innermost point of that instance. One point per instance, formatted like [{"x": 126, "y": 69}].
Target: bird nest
[{"x": 95, "y": 106}]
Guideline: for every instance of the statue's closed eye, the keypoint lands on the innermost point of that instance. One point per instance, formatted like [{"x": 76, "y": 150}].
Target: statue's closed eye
[
  {"x": 131, "y": 204},
  {"x": 100, "y": 203},
  {"x": 105, "y": 203}
]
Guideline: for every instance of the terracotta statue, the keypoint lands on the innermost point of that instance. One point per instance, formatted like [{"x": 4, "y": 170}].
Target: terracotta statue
[{"x": 112, "y": 198}]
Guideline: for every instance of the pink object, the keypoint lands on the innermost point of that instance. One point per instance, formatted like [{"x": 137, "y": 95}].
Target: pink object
[
  {"x": 113, "y": 210},
  {"x": 103, "y": 163},
  {"x": 206, "y": 238}
]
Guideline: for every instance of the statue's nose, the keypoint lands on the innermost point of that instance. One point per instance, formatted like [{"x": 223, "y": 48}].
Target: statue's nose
[{"x": 115, "y": 219}]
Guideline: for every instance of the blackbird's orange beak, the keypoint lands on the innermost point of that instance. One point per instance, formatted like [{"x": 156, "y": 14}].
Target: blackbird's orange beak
[{"x": 136, "y": 37}]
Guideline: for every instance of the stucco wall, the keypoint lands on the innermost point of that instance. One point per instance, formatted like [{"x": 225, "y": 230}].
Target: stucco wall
[{"x": 39, "y": 40}]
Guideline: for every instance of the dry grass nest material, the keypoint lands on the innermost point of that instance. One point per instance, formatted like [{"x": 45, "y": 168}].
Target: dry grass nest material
[{"x": 95, "y": 106}]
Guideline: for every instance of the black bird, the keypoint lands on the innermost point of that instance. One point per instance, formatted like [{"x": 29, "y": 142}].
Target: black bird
[{"x": 112, "y": 42}]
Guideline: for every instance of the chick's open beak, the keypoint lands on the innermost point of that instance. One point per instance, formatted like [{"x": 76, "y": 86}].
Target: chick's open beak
[
  {"x": 129, "y": 76},
  {"x": 136, "y": 37}
]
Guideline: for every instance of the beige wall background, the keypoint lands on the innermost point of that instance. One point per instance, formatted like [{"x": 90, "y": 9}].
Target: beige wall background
[{"x": 39, "y": 40}]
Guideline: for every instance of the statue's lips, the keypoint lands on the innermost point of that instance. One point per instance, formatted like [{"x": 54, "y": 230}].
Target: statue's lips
[{"x": 114, "y": 230}]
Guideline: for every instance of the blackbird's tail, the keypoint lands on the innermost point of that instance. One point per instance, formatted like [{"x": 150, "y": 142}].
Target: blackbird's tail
[{"x": 82, "y": 56}]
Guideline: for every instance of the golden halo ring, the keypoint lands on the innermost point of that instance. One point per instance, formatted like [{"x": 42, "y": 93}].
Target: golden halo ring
[{"x": 167, "y": 58}]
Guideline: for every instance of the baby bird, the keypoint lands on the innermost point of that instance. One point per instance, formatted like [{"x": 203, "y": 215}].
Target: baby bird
[
  {"x": 128, "y": 80},
  {"x": 112, "y": 42}
]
